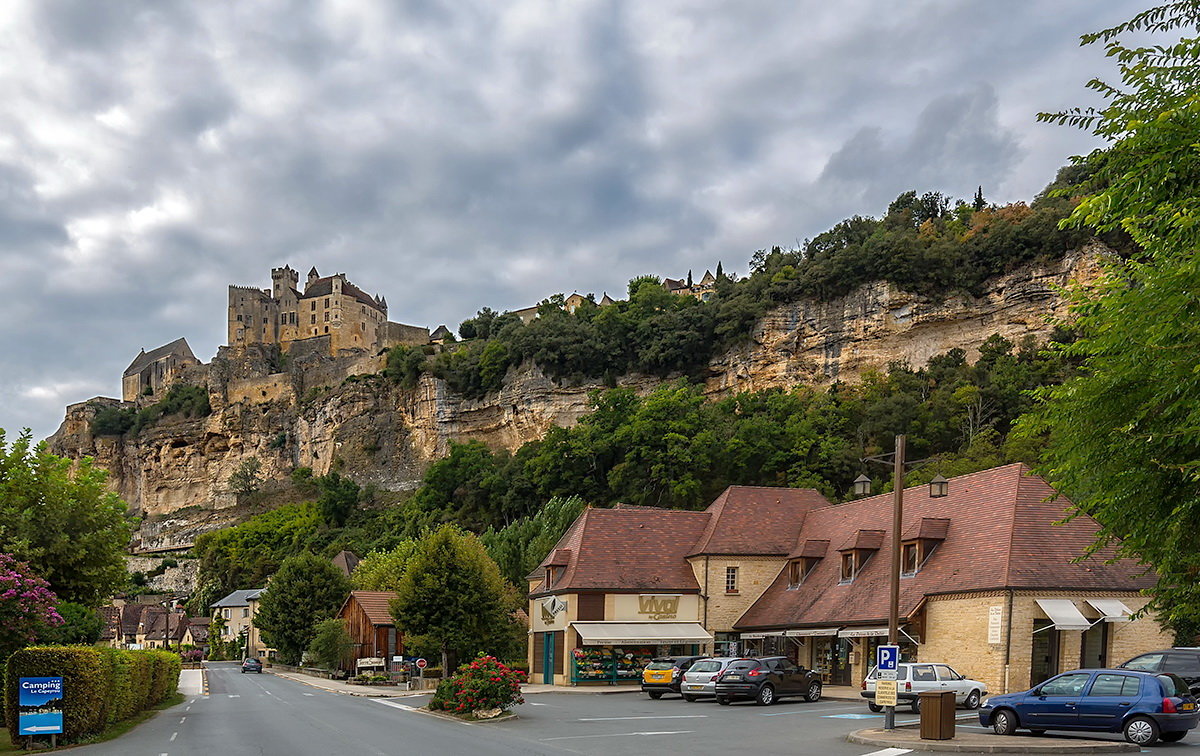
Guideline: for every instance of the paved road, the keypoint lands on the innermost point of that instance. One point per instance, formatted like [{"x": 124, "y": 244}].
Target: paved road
[{"x": 265, "y": 715}]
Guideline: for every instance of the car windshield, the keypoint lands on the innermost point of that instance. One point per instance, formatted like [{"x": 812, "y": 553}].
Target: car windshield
[
  {"x": 706, "y": 666},
  {"x": 742, "y": 665},
  {"x": 660, "y": 664},
  {"x": 1173, "y": 685}
]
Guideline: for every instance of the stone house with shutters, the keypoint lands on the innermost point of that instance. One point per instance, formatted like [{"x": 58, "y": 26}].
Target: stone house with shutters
[
  {"x": 369, "y": 622},
  {"x": 991, "y": 584}
]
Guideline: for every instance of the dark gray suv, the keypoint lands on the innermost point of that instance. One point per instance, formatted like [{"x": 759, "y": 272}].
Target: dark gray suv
[
  {"x": 766, "y": 680},
  {"x": 1179, "y": 661}
]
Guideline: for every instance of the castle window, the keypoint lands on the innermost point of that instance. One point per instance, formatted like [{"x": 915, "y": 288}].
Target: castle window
[
  {"x": 314, "y": 319},
  {"x": 314, "y": 304},
  {"x": 326, "y": 301},
  {"x": 326, "y": 317},
  {"x": 326, "y": 329},
  {"x": 239, "y": 317}
]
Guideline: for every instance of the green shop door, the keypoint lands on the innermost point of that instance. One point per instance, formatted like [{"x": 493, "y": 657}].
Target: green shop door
[{"x": 548, "y": 660}]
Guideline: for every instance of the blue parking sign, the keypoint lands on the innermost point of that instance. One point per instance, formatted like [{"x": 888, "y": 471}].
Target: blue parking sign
[{"x": 887, "y": 658}]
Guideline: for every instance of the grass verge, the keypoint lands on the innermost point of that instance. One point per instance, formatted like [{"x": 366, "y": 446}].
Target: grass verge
[{"x": 116, "y": 731}]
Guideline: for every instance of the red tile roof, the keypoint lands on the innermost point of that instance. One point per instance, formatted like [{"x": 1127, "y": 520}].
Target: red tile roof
[
  {"x": 756, "y": 520},
  {"x": 374, "y": 604},
  {"x": 628, "y": 549},
  {"x": 1001, "y": 534}
]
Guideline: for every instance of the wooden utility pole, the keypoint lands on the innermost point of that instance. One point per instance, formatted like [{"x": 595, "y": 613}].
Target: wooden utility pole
[{"x": 897, "y": 520}]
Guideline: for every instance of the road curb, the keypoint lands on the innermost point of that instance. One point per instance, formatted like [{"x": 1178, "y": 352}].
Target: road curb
[
  {"x": 980, "y": 743},
  {"x": 381, "y": 694}
]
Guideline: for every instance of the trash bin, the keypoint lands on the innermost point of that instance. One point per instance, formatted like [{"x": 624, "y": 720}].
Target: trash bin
[{"x": 937, "y": 715}]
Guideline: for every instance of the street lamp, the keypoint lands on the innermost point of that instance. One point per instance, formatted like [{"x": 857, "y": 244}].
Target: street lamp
[
  {"x": 862, "y": 485},
  {"x": 938, "y": 487}
]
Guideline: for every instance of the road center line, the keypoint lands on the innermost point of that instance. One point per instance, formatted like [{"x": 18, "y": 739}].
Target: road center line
[
  {"x": 664, "y": 716},
  {"x": 182, "y": 720},
  {"x": 173, "y": 736},
  {"x": 619, "y": 735}
]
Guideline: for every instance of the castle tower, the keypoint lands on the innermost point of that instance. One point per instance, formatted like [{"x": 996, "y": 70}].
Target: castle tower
[
  {"x": 313, "y": 275},
  {"x": 283, "y": 279}
]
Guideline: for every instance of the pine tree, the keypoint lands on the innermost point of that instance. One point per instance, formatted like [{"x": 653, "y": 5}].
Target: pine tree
[{"x": 979, "y": 203}]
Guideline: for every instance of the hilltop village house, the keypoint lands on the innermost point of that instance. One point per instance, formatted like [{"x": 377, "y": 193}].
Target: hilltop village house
[
  {"x": 989, "y": 585},
  {"x": 341, "y": 315}
]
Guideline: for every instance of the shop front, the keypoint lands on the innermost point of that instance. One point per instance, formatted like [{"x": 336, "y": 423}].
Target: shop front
[{"x": 617, "y": 652}]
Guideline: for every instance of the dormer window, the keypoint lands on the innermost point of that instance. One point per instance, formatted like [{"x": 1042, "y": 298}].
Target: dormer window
[
  {"x": 919, "y": 542},
  {"x": 798, "y": 569},
  {"x": 847, "y": 566},
  {"x": 910, "y": 558},
  {"x": 853, "y": 562}
]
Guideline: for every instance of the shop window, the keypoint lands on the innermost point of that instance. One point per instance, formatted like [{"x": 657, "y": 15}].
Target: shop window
[{"x": 731, "y": 579}]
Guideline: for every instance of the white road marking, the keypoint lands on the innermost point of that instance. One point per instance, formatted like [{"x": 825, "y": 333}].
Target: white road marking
[
  {"x": 269, "y": 693},
  {"x": 664, "y": 716},
  {"x": 182, "y": 720},
  {"x": 310, "y": 694},
  {"x": 619, "y": 735},
  {"x": 393, "y": 704},
  {"x": 235, "y": 695},
  {"x": 531, "y": 703},
  {"x": 173, "y": 736},
  {"x": 889, "y": 752}
]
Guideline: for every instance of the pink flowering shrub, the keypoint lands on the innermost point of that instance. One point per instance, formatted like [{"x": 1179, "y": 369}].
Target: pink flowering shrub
[
  {"x": 26, "y": 605},
  {"x": 483, "y": 684}
]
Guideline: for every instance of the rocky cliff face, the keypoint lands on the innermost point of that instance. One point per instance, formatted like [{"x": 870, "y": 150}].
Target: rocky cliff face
[{"x": 344, "y": 416}]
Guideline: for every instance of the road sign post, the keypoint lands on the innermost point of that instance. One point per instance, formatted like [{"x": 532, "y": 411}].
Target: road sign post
[
  {"x": 40, "y": 706},
  {"x": 887, "y": 659},
  {"x": 421, "y": 665},
  {"x": 885, "y": 693}
]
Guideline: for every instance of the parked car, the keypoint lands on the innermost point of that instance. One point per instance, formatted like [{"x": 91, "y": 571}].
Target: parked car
[
  {"x": 701, "y": 680},
  {"x": 665, "y": 674},
  {"x": 914, "y": 678},
  {"x": 251, "y": 665},
  {"x": 1144, "y": 706},
  {"x": 766, "y": 680},
  {"x": 1183, "y": 662}
]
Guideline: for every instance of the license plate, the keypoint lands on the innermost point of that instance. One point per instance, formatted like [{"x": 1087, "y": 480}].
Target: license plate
[
  {"x": 1187, "y": 707},
  {"x": 732, "y": 677},
  {"x": 695, "y": 687}
]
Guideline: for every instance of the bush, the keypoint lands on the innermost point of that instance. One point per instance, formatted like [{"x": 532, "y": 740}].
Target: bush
[
  {"x": 121, "y": 703},
  {"x": 483, "y": 684},
  {"x": 86, "y": 680}
]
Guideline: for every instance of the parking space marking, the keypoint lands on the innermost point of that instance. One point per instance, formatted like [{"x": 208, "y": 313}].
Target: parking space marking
[
  {"x": 663, "y": 716},
  {"x": 889, "y": 752},
  {"x": 620, "y": 735}
]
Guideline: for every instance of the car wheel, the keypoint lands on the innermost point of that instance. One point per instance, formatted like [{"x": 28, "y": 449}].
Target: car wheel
[
  {"x": 915, "y": 705},
  {"x": 766, "y": 695},
  {"x": 874, "y": 707},
  {"x": 1141, "y": 731},
  {"x": 973, "y": 699},
  {"x": 655, "y": 694},
  {"x": 1172, "y": 737},
  {"x": 1004, "y": 722},
  {"x": 722, "y": 700},
  {"x": 689, "y": 699},
  {"x": 813, "y": 694}
]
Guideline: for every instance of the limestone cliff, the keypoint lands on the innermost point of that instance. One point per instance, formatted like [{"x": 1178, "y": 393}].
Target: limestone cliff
[{"x": 341, "y": 414}]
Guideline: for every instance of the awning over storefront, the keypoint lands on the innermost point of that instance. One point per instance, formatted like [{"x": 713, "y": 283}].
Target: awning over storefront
[
  {"x": 809, "y": 632},
  {"x": 1113, "y": 610},
  {"x": 1064, "y": 614},
  {"x": 657, "y": 633},
  {"x": 760, "y": 636}
]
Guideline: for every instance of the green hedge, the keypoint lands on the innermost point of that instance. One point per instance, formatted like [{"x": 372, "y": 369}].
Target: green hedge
[{"x": 102, "y": 686}]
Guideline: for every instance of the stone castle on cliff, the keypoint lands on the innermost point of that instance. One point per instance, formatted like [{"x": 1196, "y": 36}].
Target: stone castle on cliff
[{"x": 331, "y": 317}]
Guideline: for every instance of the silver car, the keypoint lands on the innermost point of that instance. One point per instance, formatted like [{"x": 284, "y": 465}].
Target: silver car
[
  {"x": 701, "y": 679},
  {"x": 913, "y": 678}
]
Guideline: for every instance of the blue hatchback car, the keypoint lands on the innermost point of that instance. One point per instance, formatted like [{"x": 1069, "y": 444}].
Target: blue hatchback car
[{"x": 1145, "y": 707}]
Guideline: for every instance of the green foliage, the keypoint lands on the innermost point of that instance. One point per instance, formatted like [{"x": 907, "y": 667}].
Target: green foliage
[
  {"x": 185, "y": 400},
  {"x": 305, "y": 590},
  {"x": 331, "y": 644},
  {"x": 338, "y": 497},
  {"x": 382, "y": 570},
  {"x": 247, "y": 478},
  {"x": 453, "y": 598},
  {"x": 404, "y": 364},
  {"x": 485, "y": 683},
  {"x": 100, "y": 686},
  {"x": 1123, "y": 435},
  {"x": 519, "y": 547},
  {"x": 61, "y": 518},
  {"x": 81, "y": 625}
]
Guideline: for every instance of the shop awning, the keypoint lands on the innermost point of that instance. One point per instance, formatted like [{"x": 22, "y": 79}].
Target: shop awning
[
  {"x": 656, "y": 633},
  {"x": 760, "y": 636},
  {"x": 1064, "y": 614},
  {"x": 809, "y": 632},
  {"x": 862, "y": 632},
  {"x": 1113, "y": 610}
]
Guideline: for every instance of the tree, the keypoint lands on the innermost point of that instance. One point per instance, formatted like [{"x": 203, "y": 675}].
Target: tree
[
  {"x": 80, "y": 624},
  {"x": 246, "y": 479},
  {"x": 331, "y": 644},
  {"x": 60, "y": 517},
  {"x": 26, "y": 606},
  {"x": 1123, "y": 437},
  {"x": 338, "y": 497},
  {"x": 979, "y": 203},
  {"x": 305, "y": 590},
  {"x": 382, "y": 570},
  {"x": 518, "y": 548},
  {"x": 453, "y": 598}
]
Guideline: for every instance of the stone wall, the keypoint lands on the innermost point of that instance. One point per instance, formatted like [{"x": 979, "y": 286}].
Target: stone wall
[{"x": 755, "y": 575}]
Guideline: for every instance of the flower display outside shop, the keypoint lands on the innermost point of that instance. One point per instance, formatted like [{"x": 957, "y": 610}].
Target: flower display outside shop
[{"x": 485, "y": 685}]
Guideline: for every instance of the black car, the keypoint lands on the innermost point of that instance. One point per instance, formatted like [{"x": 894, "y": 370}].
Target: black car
[
  {"x": 252, "y": 665},
  {"x": 665, "y": 674},
  {"x": 1181, "y": 662},
  {"x": 766, "y": 680}
]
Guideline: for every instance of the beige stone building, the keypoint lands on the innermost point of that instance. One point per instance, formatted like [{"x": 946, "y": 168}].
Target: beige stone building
[
  {"x": 238, "y": 610},
  {"x": 152, "y": 372},
  {"x": 329, "y": 308},
  {"x": 990, "y": 585}
]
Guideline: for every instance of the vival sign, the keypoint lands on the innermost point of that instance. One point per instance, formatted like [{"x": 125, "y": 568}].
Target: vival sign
[{"x": 40, "y": 706}]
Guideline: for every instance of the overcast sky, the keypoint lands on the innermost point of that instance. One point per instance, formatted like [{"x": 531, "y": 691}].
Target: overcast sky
[{"x": 451, "y": 155}]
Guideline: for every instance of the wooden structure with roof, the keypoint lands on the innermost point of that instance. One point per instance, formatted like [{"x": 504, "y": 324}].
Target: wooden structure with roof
[{"x": 369, "y": 621}]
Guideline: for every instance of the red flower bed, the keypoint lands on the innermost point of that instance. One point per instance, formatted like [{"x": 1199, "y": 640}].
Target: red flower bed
[{"x": 485, "y": 683}]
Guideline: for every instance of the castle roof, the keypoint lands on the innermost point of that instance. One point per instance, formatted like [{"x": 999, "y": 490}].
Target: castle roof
[
  {"x": 179, "y": 348},
  {"x": 440, "y": 332},
  {"x": 323, "y": 287}
]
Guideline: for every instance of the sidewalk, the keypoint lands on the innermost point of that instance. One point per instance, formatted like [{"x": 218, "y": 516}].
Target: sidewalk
[
  {"x": 829, "y": 693},
  {"x": 191, "y": 682},
  {"x": 350, "y": 689},
  {"x": 980, "y": 742}
]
